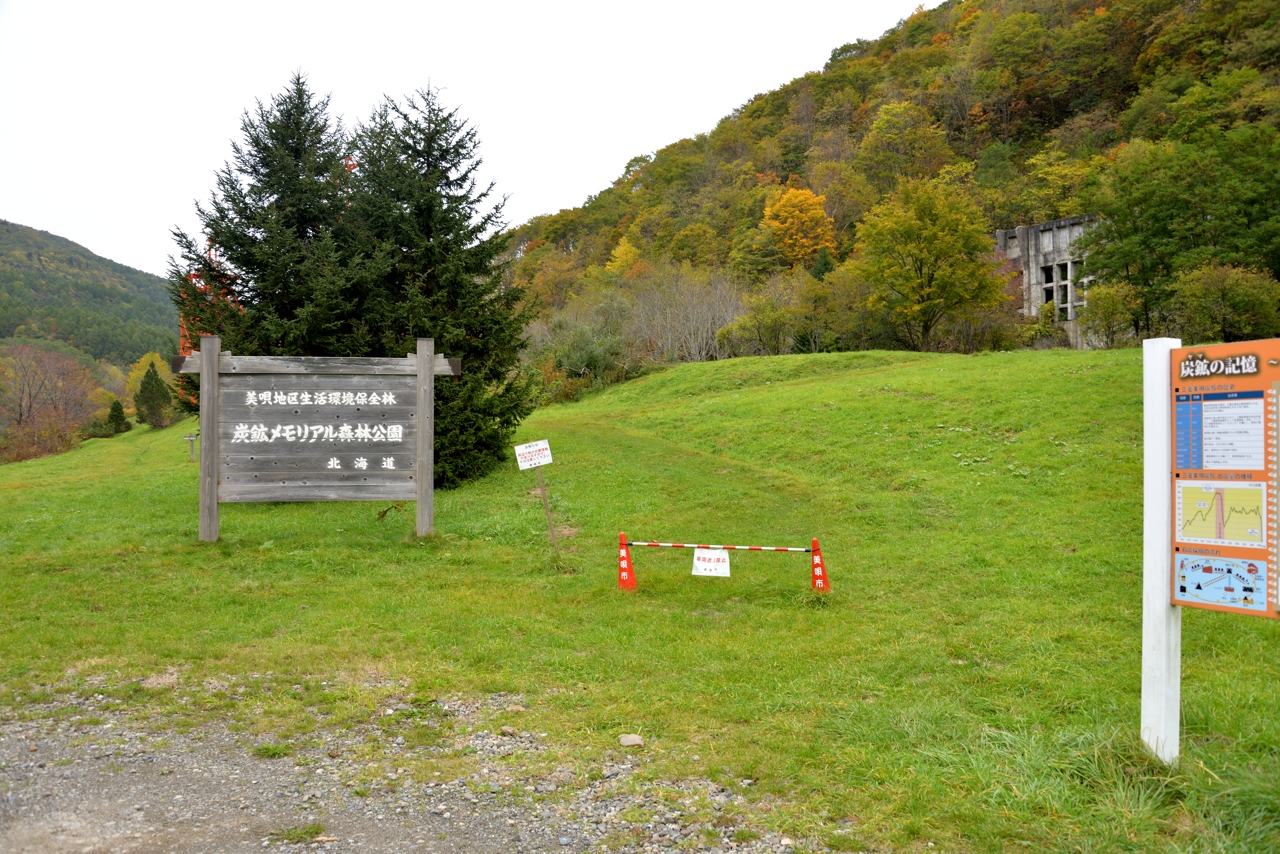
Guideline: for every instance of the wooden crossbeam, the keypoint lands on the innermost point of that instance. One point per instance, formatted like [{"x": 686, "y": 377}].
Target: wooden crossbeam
[{"x": 229, "y": 364}]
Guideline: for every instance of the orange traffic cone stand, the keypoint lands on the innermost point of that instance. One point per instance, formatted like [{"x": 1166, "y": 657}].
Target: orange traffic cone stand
[
  {"x": 820, "y": 580},
  {"x": 626, "y": 572}
]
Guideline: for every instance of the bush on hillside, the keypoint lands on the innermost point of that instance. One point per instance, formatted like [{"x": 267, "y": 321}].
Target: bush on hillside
[
  {"x": 1107, "y": 319},
  {"x": 1220, "y": 303},
  {"x": 113, "y": 424},
  {"x": 567, "y": 358},
  {"x": 116, "y": 420}
]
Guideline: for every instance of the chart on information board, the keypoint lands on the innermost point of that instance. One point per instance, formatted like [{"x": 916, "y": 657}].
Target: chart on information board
[{"x": 1224, "y": 476}]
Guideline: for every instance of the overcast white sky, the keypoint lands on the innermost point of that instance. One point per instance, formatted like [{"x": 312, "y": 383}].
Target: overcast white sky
[{"x": 115, "y": 115}]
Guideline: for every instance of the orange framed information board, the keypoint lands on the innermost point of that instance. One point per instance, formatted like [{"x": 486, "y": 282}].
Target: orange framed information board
[{"x": 1224, "y": 477}]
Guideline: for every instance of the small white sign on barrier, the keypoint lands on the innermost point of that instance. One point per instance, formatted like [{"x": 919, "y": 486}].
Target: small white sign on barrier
[
  {"x": 533, "y": 454},
  {"x": 713, "y": 562}
]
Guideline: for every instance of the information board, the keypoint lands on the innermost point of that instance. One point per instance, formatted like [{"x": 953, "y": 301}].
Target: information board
[
  {"x": 317, "y": 437},
  {"x": 533, "y": 454},
  {"x": 1224, "y": 476},
  {"x": 711, "y": 562}
]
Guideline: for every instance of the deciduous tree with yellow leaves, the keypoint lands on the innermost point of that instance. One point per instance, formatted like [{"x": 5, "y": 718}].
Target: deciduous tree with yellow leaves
[
  {"x": 800, "y": 226},
  {"x": 926, "y": 252}
]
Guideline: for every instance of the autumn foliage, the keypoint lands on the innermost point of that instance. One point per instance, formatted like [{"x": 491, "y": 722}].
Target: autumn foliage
[
  {"x": 1158, "y": 118},
  {"x": 45, "y": 399},
  {"x": 800, "y": 225}
]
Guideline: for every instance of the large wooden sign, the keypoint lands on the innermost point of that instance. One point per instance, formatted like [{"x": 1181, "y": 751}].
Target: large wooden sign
[{"x": 275, "y": 428}]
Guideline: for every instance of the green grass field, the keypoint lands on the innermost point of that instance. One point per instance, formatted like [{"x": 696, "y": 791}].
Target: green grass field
[{"x": 972, "y": 681}]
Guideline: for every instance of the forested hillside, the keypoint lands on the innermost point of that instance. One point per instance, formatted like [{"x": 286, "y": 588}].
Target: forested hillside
[
  {"x": 1026, "y": 107},
  {"x": 53, "y": 288}
]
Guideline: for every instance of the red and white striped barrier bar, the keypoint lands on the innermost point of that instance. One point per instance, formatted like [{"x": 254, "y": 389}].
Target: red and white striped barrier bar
[
  {"x": 627, "y": 571},
  {"x": 735, "y": 548}
]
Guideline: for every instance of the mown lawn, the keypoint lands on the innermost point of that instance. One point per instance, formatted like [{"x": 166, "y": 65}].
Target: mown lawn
[{"x": 972, "y": 681}]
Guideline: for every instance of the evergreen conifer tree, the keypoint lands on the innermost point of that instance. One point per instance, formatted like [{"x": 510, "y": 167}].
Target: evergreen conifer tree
[
  {"x": 116, "y": 420},
  {"x": 270, "y": 279},
  {"x": 153, "y": 399},
  {"x": 430, "y": 235},
  {"x": 315, "y": 253}
]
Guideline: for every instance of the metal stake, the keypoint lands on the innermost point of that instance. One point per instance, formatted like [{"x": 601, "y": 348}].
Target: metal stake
[
  {"x": 191, "y": 441},
  {"x": 546, "y": 505}
]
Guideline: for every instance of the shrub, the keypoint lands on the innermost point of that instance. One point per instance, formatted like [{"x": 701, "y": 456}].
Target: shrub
[
  {"x": 1220, "y": 303},
  {"x": 105, "y": 428},
  {"x": 1107, "y": 318}
]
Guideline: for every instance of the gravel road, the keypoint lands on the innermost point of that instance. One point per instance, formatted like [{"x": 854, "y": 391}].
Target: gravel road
[{"x": 117, "y": 787}]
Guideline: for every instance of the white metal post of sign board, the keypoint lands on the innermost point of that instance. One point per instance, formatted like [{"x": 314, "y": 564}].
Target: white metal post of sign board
[
  {"x": 535, "y": 455},
  {"x": 1161, "y": 620}
]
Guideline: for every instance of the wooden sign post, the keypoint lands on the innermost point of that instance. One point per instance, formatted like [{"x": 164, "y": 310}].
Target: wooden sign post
[{"x": 281, "y": 428}]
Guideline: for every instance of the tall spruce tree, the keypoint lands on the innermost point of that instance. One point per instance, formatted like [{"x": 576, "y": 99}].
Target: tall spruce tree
[
  {"x": 270, "y": 279},
  {"x": 429, "y": 245},
  {"x": 329, "y": 244},
  {"x": 153, "y": 400}
]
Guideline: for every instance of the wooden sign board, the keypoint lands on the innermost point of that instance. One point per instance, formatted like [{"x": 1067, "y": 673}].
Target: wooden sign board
[
  {"x": 277, "y": 428},
  {"x": 1224, "y": 478}
]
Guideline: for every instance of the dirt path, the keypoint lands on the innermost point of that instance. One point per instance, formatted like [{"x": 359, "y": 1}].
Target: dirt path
[{"x": 117, "y": 788}]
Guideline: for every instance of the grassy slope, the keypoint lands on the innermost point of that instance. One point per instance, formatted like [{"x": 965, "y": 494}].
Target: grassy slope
[{"x": 973, "y": 680}]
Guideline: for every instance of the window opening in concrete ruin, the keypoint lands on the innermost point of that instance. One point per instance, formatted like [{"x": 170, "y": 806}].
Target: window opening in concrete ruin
[{"x": 1043, "y": 245}]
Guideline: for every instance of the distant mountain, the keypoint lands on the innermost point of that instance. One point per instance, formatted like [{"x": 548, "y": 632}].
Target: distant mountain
[{"x": 53, "y": 288}]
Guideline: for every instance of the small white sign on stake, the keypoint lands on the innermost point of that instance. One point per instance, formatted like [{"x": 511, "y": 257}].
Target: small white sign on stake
[
  {"x": 533, "y": 454},
  {"x": 713, "y": 562}
]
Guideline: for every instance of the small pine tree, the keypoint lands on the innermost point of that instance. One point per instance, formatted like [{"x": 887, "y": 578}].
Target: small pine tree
[
  {"x": 116, "y": 420},
  {"x": 822, "y": 264},
  {"x": 153, "y": 400}
]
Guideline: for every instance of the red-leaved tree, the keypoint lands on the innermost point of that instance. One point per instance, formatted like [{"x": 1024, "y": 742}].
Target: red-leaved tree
[{"x": 45, "y": 399}]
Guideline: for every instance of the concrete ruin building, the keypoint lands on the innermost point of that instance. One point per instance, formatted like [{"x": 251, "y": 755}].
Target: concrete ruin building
[{"x": 1045, "y": 267}]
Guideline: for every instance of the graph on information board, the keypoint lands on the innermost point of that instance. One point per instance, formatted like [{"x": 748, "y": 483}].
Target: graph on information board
[{"x": 1222, "y": 513}]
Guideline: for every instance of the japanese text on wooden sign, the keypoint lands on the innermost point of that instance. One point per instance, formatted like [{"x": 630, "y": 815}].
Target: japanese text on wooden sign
[
  {"x": 302, "y": 437},
  {"x": 533, "y": 454},
  {"x": 1224, "y": 476}
]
